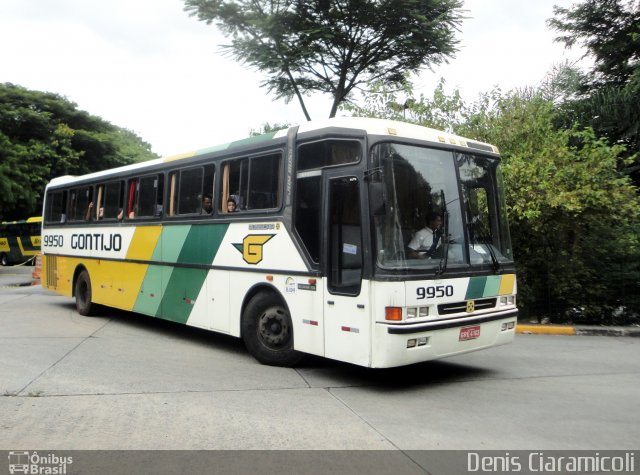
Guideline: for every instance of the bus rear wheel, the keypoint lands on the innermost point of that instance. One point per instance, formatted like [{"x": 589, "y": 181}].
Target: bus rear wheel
[
  {"x": 84, "y": 306},
  {"x": 4, "y": 261},
  {"x": 267, "y": 331}
]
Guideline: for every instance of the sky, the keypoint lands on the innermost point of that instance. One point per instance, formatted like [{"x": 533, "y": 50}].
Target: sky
[{"x": 149, "y": 67}]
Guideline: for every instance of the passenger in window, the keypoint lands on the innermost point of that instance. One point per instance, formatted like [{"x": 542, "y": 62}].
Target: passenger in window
[
  {"x": 88, "y": 216},
  {"x": 231, "y": 206},
  {"x": 207, "y": 205},
  {"x": 87, "y": 213}
]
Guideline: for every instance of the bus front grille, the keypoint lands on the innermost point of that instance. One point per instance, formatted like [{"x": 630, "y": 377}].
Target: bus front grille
[{"x": 461, "y": 307}]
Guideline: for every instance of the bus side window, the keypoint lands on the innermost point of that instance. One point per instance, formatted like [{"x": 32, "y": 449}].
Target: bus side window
[
  {"x": 327, "y": 153},
  {"x": 148, "y": 198},
  {"x": 235, "y": 177},
  {"x": 56, "y": 206},
  {"x": 112, "y": 201},
  {"x": 253, "y": 183},
  {"x": 79, "y": 203},
  {"x": 264, "y": 182},
  {"x": 190, "y": 191}
]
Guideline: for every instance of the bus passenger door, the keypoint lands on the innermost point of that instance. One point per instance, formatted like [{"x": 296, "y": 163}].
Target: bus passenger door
[{"x": 347, "y": 326}]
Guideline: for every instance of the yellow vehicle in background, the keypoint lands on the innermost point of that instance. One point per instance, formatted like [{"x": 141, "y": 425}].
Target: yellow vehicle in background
[{"x": 19, "y": 241}]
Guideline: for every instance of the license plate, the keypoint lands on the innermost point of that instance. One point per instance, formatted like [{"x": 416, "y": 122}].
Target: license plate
[{"x": 469, "y": 333}]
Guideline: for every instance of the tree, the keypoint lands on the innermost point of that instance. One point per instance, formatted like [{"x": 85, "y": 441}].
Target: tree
[
  {"x": 608, "y": 95},
  {"x": 609, "y": 30},
  {"x": 335, "y": 46},
  {"x": 43, "y": 135},
  {"x": 268, "y": 128}
]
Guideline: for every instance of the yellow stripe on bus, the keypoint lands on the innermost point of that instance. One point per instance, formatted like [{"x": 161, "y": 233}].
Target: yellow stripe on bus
[
  {"x": 144, "y": 242},
  {"x": 507, "y": 284},
  {"x": 116, "y": 284}
]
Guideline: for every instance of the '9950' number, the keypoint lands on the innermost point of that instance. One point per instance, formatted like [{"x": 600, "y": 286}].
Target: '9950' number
[
  {"x": 53, "y": 240},
  {"x": 433, "y": 292}
]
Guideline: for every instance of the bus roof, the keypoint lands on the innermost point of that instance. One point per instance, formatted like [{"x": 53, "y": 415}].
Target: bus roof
[{"x": 371, "y": 126}]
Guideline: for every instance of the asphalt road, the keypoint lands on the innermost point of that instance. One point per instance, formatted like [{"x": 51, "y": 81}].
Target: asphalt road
[{"x": 125, "y": 381}]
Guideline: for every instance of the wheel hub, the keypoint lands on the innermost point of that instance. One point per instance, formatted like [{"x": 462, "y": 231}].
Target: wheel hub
[{"x": 273, "y": 328}]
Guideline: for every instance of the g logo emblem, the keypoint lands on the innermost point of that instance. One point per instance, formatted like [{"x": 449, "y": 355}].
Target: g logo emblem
[
  {"x": 471, "y": 306},
  {"x": 251, "y": 247}
]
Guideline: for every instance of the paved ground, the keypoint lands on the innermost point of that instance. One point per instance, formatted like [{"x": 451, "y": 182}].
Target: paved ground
[{"x": 124, "y": 381}]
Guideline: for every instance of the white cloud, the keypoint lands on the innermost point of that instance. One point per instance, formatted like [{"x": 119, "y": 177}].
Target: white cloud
[{"x": 147, "y": 66}]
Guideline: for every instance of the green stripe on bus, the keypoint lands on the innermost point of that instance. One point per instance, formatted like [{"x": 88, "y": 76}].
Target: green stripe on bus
[
  {"x": 181, "y": 293},
  {"x": 202, "y": 243},
  {"x": 492, "y": 286},
  {"x": 252, "y": 140},
  {"x": 150, "y": 296},
  {"x": 171, "y": 243},
  {"x": 476, "y": 288},
  {"x": 183, "y": 287}
]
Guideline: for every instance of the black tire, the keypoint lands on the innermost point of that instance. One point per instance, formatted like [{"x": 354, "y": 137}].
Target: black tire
[
  {"x": 267, "y": 331},
  {"x": 83, "y": 294},
  {"x": 4, "y": 261}
]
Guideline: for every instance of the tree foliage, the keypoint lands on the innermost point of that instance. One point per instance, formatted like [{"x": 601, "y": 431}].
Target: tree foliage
[
  {"x": 608, "y": 96},
  {"x": 575, "y": 219},
  {"x": 43, "y": 135},
  {"x": 335, "y": 46},
  {"x": 609, "y": 30}
]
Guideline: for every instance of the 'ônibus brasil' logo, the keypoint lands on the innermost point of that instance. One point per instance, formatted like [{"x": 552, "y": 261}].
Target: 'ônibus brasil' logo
[{"x": 251, "y": 247}]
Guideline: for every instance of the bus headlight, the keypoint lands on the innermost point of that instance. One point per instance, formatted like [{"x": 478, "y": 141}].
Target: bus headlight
[
  {"x": 507, "y": 300},
  {"x": 412, "y": 312}
]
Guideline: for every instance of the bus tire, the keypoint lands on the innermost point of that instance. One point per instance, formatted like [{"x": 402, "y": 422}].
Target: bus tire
[
  {"x": 84, "y": 306},
  {"x": 267, "y": 331},
  {"x": 4, "y": 260}
]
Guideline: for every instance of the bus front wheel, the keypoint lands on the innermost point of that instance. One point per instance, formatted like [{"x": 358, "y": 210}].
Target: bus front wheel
[
  {"x": 83, "y": 294},
  {"x": 267, "y": 331}
]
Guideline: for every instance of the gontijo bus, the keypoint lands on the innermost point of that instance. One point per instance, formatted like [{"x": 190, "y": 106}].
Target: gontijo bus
[{"x": 315, "y": 258}]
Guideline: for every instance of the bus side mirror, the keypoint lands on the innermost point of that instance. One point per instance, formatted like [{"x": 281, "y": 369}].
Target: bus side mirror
[{"x": 376, "y": 199}]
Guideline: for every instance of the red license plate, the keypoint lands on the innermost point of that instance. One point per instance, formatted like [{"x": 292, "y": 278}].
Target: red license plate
[{"x": 469, "y": 333}]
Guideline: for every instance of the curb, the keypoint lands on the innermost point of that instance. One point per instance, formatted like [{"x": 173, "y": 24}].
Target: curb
[
  {"x": 540, "y": 329},
  {"x": 545, "y": 330}
]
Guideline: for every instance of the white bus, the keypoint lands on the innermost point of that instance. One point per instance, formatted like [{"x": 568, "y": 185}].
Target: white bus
[{"x": 314, "y": 239}]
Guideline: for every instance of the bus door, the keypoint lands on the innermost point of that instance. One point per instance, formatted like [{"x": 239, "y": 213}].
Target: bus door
[{"x": 346, "y": 322}]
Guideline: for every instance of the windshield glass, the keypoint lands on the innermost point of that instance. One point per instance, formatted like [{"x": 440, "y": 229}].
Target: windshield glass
[
  {"x": 483, "y": 198},
  {"x": 425, "y": 222}
]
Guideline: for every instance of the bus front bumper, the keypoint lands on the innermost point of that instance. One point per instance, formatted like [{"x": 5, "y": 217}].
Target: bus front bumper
[{"x": 403, "y": 344}]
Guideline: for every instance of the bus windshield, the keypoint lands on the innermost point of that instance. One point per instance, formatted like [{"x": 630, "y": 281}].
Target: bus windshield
[{"x": 430, "y": 220}]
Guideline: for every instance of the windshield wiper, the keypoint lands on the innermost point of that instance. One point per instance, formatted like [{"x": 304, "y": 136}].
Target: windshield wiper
[{"x": 495, "y": 264}]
